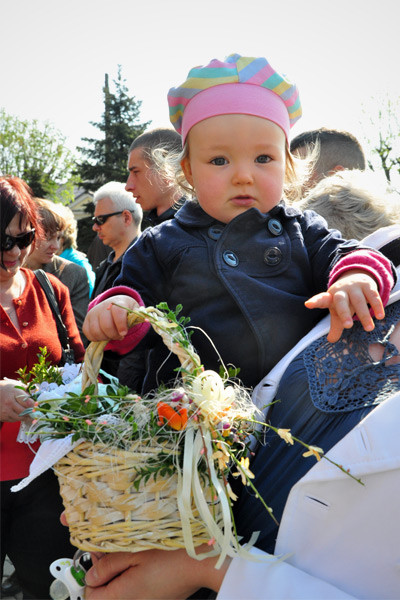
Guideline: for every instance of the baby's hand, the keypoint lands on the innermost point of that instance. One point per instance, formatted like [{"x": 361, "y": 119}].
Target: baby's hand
[
  {"x": 352, "y": 294},
  {"x": 105, "y": 321}
]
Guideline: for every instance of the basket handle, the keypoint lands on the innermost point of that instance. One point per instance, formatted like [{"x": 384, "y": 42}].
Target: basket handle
[{"x": 172, "y": 334}]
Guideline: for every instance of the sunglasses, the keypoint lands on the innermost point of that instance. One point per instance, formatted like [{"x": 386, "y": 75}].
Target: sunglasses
[
  {"x": 22, "y": 241},
  {"x": 101, "y": 219}
]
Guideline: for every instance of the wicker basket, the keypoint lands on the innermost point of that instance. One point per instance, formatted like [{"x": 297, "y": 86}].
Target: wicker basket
[{"x": 105, "y": 511}]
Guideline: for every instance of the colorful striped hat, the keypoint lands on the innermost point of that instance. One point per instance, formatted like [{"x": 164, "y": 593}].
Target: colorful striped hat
[{"x": 241, "y": 84}]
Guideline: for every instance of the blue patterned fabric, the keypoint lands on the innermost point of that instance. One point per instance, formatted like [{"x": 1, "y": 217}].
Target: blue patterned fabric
[
  {"x": 343, "y": 376},
  {"x": 345, "y": 389}
]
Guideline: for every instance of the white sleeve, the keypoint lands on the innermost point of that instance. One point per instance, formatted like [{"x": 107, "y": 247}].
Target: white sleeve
[{"x": 273, "y": 580}]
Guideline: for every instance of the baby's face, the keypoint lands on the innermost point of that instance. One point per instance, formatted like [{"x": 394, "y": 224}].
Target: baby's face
[{"x": 236, "y": 162}]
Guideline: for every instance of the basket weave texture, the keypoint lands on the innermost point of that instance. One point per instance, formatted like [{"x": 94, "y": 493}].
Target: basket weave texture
[{"x": 104, "y": 510}]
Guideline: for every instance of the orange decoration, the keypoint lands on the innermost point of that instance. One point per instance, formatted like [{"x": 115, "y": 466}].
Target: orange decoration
[{"x": 175, "y": 419}]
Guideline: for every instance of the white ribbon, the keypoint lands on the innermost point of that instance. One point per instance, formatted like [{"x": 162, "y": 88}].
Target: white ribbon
[{"x": 198, "y": 446}]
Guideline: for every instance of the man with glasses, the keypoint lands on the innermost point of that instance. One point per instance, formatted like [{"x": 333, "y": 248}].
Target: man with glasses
[{"x": 117, "y": 220}]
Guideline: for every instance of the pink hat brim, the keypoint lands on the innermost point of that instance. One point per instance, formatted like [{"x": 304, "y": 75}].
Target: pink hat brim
[{"x": 235, "y": 98}]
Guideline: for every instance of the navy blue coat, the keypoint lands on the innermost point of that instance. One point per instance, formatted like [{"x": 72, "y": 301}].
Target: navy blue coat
[{"x": 243, "y": 283}]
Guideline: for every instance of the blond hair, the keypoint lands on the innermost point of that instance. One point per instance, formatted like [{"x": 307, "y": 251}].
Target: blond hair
[
  {"x": 51, "y": 220},
  {"x": 354, "y": 202},
  {"x": 70, "y": 232}
]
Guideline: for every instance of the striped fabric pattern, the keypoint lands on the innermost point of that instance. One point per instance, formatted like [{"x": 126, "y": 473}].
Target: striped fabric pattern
[{"x": 235, "y": 69}]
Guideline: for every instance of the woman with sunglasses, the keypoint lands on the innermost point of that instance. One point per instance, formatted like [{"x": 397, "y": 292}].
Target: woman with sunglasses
[{"x": 31, "y": 534}]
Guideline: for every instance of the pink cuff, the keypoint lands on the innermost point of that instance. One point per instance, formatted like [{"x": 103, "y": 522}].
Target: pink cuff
[
  {"x": 376, "y": 265},
  {"x": 136, "y": 333}
]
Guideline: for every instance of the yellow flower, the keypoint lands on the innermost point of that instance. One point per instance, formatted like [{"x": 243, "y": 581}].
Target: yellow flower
[
  {"x": 286, "y": 435},
  {"x": 231, "y": 493},
  {"x": 314, "y": 451},
  {"x": 244, "y": 471},
  {"x": 222, "y": 460},
  {"x": 222, "y": 455}
]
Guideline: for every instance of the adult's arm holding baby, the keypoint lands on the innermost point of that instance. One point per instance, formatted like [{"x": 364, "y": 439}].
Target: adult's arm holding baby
[
  {"x": 173, "y": 574},
  {"x": 152, "y": 574}
]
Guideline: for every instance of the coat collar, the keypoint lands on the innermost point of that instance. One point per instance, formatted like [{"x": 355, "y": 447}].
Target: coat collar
[{"x": 192, "y": 215}]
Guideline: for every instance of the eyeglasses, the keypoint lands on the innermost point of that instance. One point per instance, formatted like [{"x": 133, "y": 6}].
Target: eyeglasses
[
  {"x": 22, "y": 241},
  {"x": 101, "y": 219}
]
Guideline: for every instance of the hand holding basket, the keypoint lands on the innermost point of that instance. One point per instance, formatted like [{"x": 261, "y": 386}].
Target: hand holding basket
[{"x": 167, "y": 487}]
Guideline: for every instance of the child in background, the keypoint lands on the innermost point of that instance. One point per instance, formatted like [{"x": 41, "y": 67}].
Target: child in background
[{"x": 241, "y": 262}]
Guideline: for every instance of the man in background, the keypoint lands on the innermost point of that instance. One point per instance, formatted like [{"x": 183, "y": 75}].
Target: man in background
[
  {"x": 117, "y": 222},
  {"x": 336, "y": 150},
  {"x": 158, "y": 199}
]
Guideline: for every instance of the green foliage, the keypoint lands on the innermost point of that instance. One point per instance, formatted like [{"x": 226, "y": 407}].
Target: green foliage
[
  {"x": 37, "y": 153},
  {"x": 163, "y": 465},
  {"x": 229, "y": 371},
  {"x": 105, "y": 159},
  {"x": 42, "y": 371},
  {"x": 181, "y": 323}
]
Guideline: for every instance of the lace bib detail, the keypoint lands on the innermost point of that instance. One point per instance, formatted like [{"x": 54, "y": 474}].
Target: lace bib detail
[{"x": 343, "y": 376}]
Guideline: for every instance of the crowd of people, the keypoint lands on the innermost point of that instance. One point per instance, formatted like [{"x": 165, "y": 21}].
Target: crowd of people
[{"x": 290, "y": 246}]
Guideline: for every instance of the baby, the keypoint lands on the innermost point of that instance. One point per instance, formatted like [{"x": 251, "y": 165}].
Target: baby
[{"x": 245, "y": 267}]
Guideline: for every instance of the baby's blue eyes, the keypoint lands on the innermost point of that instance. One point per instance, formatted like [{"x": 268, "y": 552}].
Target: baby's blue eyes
[
  {"x": 263, "y": 158},
  {"x": 219, "y": 161}
]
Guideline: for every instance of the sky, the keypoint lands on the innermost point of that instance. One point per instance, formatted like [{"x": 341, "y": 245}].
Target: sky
[{"x": 342, "y": 54}]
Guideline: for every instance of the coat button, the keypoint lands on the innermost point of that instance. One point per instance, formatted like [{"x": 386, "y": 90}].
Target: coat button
[
  {"x": 274, "y": 227},
  {"x": 25, "y": 324},
  {"x": 214, "y": 232},
  {"x": 24, "y": 345},
  {"x": 19, "y": 302},
  {"x": 230, "y": 258},
  {"x": 273, "y": 256}
]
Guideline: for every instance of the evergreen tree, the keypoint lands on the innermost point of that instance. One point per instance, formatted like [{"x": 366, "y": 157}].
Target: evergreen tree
[{"x": 106, "y": 158}]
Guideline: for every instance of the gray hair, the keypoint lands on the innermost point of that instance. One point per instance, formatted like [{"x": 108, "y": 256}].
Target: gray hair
[{"x": 121, "y": 199}]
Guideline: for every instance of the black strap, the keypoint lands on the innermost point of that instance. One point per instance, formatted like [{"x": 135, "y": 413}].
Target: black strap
[
  {"x": 51, "y": 297},
  {"x": 392, "y": 251}
]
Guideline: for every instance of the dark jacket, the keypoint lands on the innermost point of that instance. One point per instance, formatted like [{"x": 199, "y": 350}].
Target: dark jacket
[
  {"x": 107, "y": 271},
  {"x": 75, "y": 278},
  {"x": 243, "y": 283},
  {"x": 97, "y": 252},
  {"x": 151, "y": 218},
  {"x": 129, "y": 369}
]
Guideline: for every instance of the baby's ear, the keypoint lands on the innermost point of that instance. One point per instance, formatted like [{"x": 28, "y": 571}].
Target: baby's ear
[{"x": 187, "y": 169}]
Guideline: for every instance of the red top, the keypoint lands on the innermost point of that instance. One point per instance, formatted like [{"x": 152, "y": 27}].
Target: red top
[{"x": 38, "y": 329}]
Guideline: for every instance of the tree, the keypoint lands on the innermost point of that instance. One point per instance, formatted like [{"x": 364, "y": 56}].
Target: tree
[
  {"x": 37, "y": 154},
  {"x": 106, "y": 158},
  {"x": 384, "y": 139}
]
